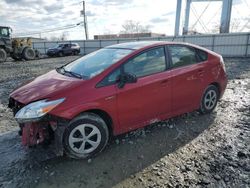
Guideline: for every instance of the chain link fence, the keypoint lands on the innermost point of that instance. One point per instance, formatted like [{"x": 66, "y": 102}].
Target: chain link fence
[{"x": 228, "y": 45}]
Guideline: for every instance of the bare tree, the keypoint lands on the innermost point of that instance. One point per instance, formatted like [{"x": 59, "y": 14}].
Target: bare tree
[
  {"x": 53, "y": 38},
  {"x": 131, "y": 26},
  {"x": 215, "y": 28},
  {"x": 64, "y": 36},
  {"x": 61, "y": 37},
  {"x": 246, "y": 25},
  {"x": 235, "y": 25}
]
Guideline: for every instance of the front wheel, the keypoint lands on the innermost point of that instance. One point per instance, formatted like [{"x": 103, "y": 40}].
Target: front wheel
[
  {"x": 3, "y": 55},
  {"x": 60, "y": 54},
  {"x": 209, "y": 99},
  {"x": 85, "y": 136}
]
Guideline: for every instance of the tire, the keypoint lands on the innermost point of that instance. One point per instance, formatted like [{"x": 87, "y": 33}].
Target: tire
[
  {"x": 16, "y": 58},
  {"x": 78, "y": 146},
  {"x": 3, "y": 55},
  {"x": 29, "y": 53},
  {"x": 209, "y": 99},
  {"x": 38, "y": 54},
  {"x": 75, "y": 52},
  {"x": 60, "y": 54}
]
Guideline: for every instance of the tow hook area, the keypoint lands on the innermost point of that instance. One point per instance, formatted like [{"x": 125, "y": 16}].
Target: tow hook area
[
  {"x": 34, "y": 133},
  {"x": 47, "y": 133}
]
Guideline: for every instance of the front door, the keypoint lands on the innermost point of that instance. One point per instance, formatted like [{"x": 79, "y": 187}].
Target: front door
[{"x": 143, "y": 102}]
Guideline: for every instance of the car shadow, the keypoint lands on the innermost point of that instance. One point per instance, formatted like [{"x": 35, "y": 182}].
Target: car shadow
[{"x": 124, "y": 157}]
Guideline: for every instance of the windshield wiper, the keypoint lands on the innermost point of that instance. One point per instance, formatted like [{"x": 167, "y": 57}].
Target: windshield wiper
[{"x": 74, "y": 74}]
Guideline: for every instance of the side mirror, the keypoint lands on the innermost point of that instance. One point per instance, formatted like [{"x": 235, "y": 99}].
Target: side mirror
[{"x": 124, "y": 78}]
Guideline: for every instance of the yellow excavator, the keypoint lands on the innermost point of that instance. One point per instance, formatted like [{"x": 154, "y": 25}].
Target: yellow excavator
[{"x": 17, "y": 48}]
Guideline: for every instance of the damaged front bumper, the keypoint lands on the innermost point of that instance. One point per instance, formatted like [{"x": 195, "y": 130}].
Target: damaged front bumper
[{"x": 47, "y": 130}]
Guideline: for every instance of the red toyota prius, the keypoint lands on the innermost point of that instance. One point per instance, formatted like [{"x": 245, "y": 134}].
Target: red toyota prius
[{"x": 119, "y": 88}]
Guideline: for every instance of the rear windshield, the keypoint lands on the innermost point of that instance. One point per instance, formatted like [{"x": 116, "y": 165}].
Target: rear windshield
[{"x": 96, "y": 62}]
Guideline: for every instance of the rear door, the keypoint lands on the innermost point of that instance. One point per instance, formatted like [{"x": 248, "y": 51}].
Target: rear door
[
  {"x": 187, "y": 78},
  {"x": 141, "y": 103},
  {"x": 67, "y": 49}
]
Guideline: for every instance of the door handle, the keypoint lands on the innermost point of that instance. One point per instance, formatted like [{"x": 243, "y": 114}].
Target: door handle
[
  {"x": 200, "y": 72},
  {"x": 109, "y": 98},
  {"x": 164, "y": 82}
]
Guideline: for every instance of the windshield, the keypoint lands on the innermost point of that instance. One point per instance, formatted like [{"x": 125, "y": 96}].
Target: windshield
[
  {"x": 4, "y": 32},
  {"x": 59, "y": 46},
  {"x": 96, "y": 62}
]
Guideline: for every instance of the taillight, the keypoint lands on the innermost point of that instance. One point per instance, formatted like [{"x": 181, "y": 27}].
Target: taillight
[{"x": 222, "y": 63}]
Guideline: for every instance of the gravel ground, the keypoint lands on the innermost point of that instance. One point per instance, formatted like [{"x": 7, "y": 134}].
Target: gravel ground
[{"x": 191, "y": 150}]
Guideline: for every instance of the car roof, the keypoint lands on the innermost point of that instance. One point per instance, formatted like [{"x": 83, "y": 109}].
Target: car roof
[
  {"x": 143, "y": 44},
  {"x": 63, "y": 43},
  {"x": 136, "y": 45}
]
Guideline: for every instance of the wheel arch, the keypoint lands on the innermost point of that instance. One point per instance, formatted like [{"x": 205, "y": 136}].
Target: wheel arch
[
  {"x": 104, "y": 115},
  {"x": 216, "y": 84},
  {"x": 60, "y": 51},
  {"x": 22, "y": 48}
]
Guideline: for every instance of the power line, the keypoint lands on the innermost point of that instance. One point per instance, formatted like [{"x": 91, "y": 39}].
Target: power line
[
  {"x": 198, "y": 19},
  {"x": 50, "y": 30},
  {"x": 209, "y": 21},
  {"x": 48, "y": 12},
  {"x": 61, "y": 8},
  {"x": 245, "y": 25}
]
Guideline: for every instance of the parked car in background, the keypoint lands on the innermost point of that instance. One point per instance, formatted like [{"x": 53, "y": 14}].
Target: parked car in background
[
  {"x": 115, "y": 90},
  {"x": 64, "y": 49}
]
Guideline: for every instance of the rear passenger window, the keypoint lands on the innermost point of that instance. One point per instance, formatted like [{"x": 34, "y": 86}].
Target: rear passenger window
[
  {"x": 182, "y": 55},
  {"x": 201, "y": 55}
]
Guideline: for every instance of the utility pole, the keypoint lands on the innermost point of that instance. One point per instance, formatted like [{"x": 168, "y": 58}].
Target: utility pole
[
  {"x": 177, "y": 18},
  {"x": 85, "y": 20}
]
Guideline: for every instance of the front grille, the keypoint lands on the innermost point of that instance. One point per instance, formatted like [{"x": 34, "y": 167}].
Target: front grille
[{"x": 14, "y": 105}]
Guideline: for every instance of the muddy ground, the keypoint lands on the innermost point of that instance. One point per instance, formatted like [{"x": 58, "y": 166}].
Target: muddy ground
[{"x": 191, "y": 150}]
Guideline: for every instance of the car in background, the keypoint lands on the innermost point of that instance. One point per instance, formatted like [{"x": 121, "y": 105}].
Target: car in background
[
  {"x": 64, "y": 49},
  {"x": 114, "y": 90}
]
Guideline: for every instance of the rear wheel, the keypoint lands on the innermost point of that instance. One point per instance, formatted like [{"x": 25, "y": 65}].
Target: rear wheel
[
  {"x": 85, "y": 136},
  {"x": 3, "y": 55},
  {"x": 209, "y": 99},
  {"x": 29, "y": 53}
]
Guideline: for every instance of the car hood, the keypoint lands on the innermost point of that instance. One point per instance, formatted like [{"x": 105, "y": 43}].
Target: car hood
[{"x": 45, "y": 86}]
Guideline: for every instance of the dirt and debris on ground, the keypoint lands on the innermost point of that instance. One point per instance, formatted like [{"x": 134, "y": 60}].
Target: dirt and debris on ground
[{"x": 191, "y": 150}]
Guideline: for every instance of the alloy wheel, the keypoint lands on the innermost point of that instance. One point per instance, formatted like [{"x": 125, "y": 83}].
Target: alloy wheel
[
  {"x": 84, "y": 138},
  {"x": 210, "y": 99}
]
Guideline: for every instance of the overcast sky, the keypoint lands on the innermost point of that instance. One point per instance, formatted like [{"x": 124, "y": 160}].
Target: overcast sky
[{"x": 107, "y": 16}]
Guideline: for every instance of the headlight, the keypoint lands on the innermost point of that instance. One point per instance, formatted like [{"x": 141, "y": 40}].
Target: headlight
[{"x": 36, "y": 109}]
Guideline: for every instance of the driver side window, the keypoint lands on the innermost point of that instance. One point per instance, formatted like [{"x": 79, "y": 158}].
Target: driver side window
[{"x": 147, "y": 63}]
